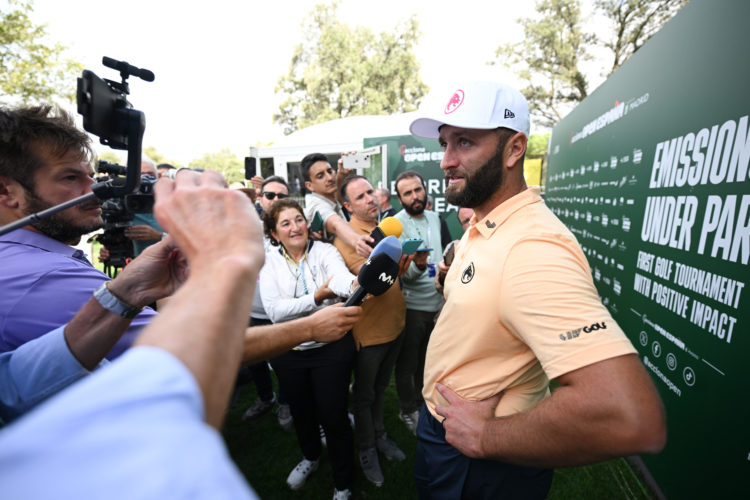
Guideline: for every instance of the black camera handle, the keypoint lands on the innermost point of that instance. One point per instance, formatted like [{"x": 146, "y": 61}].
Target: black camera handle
[{"x": 111, "y": 188}]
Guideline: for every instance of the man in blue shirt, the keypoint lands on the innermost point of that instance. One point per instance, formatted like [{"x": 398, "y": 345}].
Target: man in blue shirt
[
  {"x": 422, "y": 298},
  {"x": 44, "y": 161}
]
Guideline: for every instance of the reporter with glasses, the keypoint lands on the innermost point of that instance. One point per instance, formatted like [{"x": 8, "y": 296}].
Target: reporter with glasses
[
  {"x": 271, "y": 189},
  {"x": 299, "y": 277}
]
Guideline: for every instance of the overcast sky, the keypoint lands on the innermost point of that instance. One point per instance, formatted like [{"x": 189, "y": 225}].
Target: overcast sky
[{"x": 217, "y": 62}]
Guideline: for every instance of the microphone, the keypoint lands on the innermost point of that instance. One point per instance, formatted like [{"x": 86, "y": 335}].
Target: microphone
[
  {"x": 123, "y": 66},
  {"x": 379, "y": 272},
  {"x": 390, "y": 226}
]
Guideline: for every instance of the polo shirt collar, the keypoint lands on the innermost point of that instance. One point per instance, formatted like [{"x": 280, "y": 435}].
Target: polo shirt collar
[
  {"x": 39, "y": 240},
  {"x": 503, "y": 211},
  {"x": 334, "y": 204},
  {"x": 362, "y": 225}
]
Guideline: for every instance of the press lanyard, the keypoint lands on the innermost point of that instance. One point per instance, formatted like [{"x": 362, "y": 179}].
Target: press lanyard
[{"x": 300, "y": 267}]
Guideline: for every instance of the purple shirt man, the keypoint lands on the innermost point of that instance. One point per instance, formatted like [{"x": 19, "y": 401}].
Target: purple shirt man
[{"x": 44, "y": 283}]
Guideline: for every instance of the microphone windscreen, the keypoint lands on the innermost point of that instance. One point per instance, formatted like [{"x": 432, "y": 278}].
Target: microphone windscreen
[
  {"x": 391, "y": 226},
  {"x": 378, "y": 274},
  {"x": 389, "y": 246}
]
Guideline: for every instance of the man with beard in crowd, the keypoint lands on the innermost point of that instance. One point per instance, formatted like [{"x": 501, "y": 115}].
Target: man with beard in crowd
[
  {"x": 521, "y": 309},
  {"x": 44, "y": 161},
  {"x": 422, "y": 298}
]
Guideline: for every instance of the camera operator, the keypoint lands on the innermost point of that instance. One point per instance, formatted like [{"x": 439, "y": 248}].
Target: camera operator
[{"x": 44, "y": 161}]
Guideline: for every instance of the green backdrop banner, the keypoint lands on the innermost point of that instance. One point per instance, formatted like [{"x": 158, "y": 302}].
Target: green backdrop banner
[{"x": 651, "y": 174}]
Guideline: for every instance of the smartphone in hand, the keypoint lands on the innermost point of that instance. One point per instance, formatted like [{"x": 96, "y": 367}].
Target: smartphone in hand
[
  {"x": 449, "y": 253},
  {"x": 317, "y": 222},
  {"x": 410, "y": 246}
]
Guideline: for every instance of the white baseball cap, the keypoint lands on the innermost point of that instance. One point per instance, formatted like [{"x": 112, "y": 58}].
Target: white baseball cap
[{"x": 482, "y": 105}]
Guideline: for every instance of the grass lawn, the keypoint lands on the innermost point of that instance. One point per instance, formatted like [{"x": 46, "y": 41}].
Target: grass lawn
[{"x": 266, "y": 454}]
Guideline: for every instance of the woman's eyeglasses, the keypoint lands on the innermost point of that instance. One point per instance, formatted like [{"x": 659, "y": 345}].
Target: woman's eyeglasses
[{"x": 271, "y": 196}]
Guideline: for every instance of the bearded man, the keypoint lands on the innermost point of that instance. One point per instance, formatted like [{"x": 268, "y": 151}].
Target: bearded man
[
  {"x": 518, "y": 284},
  {"x": 44, "y": 161},
  {"x": 423, "y": 301}
]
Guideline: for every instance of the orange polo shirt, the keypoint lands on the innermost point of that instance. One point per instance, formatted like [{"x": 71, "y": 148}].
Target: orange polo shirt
[
  {"x": 383, "y": 317},
  {"x": 521, "y": 308}
]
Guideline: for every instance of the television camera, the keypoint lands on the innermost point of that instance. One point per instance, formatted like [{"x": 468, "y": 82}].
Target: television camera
[{"x": 118, "y": 213}]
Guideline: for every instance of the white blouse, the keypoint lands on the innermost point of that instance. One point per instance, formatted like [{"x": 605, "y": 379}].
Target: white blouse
[{"x": 288, "y": 290}]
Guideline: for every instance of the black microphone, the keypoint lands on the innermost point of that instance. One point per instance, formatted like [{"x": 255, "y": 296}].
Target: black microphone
[
  {"x": 123, "y": 66},
  {"x": 375, "y": 277}
]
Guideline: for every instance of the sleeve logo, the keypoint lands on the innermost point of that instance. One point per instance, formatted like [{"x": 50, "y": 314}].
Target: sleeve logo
[{"x": 586, "y": 329}]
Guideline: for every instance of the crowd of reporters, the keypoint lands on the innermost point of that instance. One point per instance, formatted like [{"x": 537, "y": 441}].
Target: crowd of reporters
[{"x": 54, "y": 332}]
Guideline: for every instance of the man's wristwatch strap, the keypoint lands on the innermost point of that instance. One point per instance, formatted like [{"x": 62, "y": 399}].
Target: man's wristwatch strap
[{"x": 111, "y": 303}]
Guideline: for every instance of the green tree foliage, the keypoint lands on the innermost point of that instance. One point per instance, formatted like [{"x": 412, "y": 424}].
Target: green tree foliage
[
  {"x": 635, "y": 21},
  {"x": 225, "y": 162},
  {"x": 537, "y": 145},
  {"x": 548, "y": 59},
  {"x": 556, "y": 42},
  {"x": 32, "y": 70},
  {"x": 339, "y": 71}
]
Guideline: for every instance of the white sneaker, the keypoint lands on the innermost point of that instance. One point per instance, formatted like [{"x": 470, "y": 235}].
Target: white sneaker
[
  {"x": 342, "y": 494},
  {"x": 299, "y": 474},
  {"x": 284, "y": 417},
  {"x": 411, "y": 420}
]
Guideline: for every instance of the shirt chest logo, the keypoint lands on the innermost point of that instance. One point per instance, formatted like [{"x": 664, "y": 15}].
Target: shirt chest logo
[{"x": 468, "y": 273}]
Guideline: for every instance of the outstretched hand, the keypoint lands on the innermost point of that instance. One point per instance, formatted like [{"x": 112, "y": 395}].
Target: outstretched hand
[
  {"x": 154, "y": 274},
  {"x": 464, "y": 421},
  {"x": 404, "y": 263},
  {"x": 324, "y": 292},
  {"x": 332, "y": 322},
  {"x": 363, "y": 247}
]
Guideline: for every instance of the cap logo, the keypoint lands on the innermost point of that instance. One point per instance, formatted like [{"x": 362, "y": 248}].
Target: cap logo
[
  {"x": 454, "y": 102},
  {"x": 509, "y": 113}
]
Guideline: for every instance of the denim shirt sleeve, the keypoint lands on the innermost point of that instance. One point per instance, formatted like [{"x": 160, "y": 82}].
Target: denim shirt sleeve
[{"x": 36, "y": 371}]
